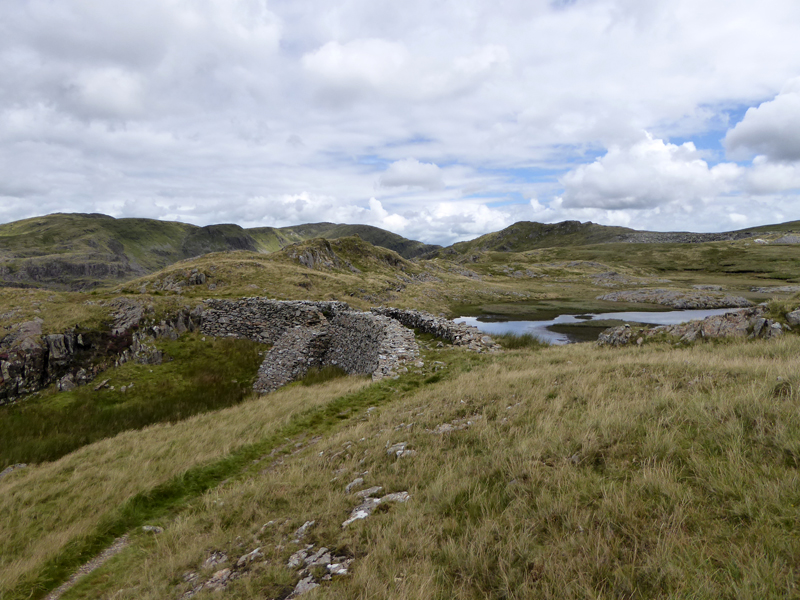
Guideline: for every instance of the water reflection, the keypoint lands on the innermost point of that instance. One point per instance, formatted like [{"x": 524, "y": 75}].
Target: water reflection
[{"x": 541, "y": 330}]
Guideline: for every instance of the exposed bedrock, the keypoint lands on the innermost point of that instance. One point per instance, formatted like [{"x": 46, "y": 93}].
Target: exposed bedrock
[
  {"x": 678, "y": 299},
  {"x": 749, "y": 322},
  {"x": 30, "y": 361}
]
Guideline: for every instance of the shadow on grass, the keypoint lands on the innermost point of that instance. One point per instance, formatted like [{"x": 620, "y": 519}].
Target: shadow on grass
[{"x": 203, "y": 376}]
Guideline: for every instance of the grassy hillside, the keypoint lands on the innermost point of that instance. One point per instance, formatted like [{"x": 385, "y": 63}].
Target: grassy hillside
[
  {"x": 658, "y": 471},
  {"x": 579, "y": 472},
  {"x": 77, "y": 251},
  {"x": 527, "y": 235}
]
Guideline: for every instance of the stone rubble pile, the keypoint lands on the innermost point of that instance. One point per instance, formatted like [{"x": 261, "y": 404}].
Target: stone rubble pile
[
  {"x": 749, "y": 322},
  {"x": 459, "y": 334}
]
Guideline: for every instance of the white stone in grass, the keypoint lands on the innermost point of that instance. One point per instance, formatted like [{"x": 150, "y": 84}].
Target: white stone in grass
[
  {"x": 353, "y": 484},
  {"x": 369, "y": 492},
  {"x": 249, "y": 557},
  {"x": 303, "y": 586},
  {"x": 152, "y": 529}
]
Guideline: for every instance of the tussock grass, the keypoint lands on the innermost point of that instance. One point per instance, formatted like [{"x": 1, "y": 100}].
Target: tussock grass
[
  {"x": 514, "y": 341},
  {"x": 649, "y": 472},
  {"x": 85, "y": 487}
]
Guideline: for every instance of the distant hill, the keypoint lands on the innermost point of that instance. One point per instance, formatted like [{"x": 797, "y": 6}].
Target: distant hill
[
  {"x": 528, "y": 235},
  {"x": 79, "y": 251}
]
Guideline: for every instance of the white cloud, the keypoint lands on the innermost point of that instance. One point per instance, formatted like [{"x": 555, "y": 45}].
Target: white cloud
[
  {"x": 647, "y": 174},
  {"x": 772, "y": 129},
  {"x": 389, "y": 70},
  {"x": 765, "y": 177},
  {"x": 267, "y": 112},
  {"x": 411, "y": 172},
  {"x": 109, "y": 92}
]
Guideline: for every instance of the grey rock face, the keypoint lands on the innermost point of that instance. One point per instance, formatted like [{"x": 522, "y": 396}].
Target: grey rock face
[
  {"x": 793, "y": 318},
  {"x": 748, "y": 322},
  {"x": 677, "y": 299}
]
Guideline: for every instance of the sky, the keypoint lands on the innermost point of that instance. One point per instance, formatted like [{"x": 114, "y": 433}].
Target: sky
[{"x": 439, "y": 121}]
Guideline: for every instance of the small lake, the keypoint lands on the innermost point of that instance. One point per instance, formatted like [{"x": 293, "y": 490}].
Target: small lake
[{"x": 566, "y": 329}]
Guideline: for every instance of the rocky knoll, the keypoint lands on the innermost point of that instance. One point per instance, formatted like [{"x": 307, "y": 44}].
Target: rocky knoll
[
  {"x": 30, "y": 361},
  {"x": 677, "y": 299},
  {"x": 749, "y": 322}
]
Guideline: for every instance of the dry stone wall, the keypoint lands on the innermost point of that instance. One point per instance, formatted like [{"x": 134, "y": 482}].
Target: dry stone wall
[
  {"x": 264, "y": 320},
  {"x": 459, "y": 334},
  {"x": 367, "y": 343},
  {"x": 307, "y": 334}
]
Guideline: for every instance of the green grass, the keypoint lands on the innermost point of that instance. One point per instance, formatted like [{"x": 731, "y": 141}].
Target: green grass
[
  {"x": 319, "y": 375},
  {"x": 177, "y": 493},
  {"x": 514, "y": 341},
  {"x": 586, "y": 473},
  {"x": 199, "y": 377}
]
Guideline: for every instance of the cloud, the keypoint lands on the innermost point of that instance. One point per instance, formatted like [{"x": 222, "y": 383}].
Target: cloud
[
  {"x": 411, "y": 172},
  {"x": 772, "y": 129},
  {"x": 264, "y": 112},
  {"x": 647, "y": 174},
  {"x": 388, "y": 69},
  {"x": 109, "y": 92}
]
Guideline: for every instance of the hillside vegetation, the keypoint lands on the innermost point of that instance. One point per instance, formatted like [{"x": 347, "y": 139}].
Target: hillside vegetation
[
  {"x": 579, "y": 472},
  {"x": 666, "y": 470},
  {"x": 78, "y": 251}
]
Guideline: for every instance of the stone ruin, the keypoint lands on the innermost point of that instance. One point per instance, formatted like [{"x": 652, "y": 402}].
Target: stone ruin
[
  {"x": 303, "y": 335},
  {"x": 306, "y": 335}
]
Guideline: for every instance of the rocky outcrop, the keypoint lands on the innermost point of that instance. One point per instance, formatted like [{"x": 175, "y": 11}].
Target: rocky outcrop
[
  {"x": 318, "y": 254},
  {"x": 459, "y": 334},
  {"x": 30, "y": 361},
  {"x": 656, "y": 237},
  {"x": 677, "y": 299},
  {"x": 749, "y": 322},
  {"x": 780, "y": 289}
]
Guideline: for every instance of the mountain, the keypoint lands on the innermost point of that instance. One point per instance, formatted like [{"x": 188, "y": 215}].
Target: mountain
[
  {"x": 79, "y": 251},
  {"x": 528, "y": 235}
]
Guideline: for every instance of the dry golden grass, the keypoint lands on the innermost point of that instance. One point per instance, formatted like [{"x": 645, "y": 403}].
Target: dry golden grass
[
  {"x": 648, "y": 472},
  {"x": 44, "y": 506}
]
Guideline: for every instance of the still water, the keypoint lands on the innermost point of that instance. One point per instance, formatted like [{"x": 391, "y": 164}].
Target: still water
[{"x": 541, "y": 331}]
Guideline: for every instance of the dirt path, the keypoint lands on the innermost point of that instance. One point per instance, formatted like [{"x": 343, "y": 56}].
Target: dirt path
[{"x": 118, "y": 546}]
